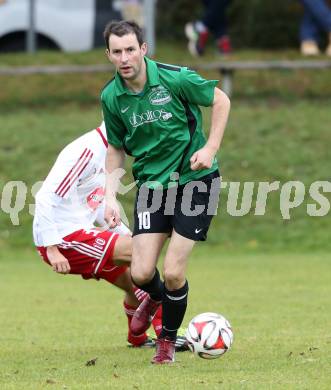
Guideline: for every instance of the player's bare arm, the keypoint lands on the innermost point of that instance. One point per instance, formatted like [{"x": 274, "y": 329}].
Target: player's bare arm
[
  {"x": 114, "y": 159},
  {"x": 58, "y": 262},
  {"x": 203, "y": 158}
]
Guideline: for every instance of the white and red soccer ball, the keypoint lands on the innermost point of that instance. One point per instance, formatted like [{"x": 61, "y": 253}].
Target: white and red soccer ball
[{"x": 209, "y": 335}]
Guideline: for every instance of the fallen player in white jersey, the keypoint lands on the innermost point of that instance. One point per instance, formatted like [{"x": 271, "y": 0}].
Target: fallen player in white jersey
[{"x": 68, "y": 206}]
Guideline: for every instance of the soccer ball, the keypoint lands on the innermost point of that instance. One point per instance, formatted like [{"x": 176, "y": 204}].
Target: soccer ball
[{"x": 209, "y": 335}]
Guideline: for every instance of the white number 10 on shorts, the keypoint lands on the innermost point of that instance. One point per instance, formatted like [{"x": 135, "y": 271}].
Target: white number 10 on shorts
[{"x": 144, "y": 220}]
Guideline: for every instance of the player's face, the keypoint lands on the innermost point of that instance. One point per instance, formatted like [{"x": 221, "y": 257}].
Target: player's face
[{"x": 126, "y": 54}]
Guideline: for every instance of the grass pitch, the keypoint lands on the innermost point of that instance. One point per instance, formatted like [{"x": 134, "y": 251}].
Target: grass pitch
[{"x": 278, "y": 305}]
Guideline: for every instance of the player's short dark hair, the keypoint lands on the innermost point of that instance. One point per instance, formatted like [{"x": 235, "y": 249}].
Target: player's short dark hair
[{"x": 121, "y": 28}]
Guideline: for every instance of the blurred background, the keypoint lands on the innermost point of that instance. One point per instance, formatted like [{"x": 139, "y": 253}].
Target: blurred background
[
  {"x": 73, "y": 26},
  {"x": 52, "y": 68}
]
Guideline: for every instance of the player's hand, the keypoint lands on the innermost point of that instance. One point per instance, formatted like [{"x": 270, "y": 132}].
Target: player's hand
[
  {"x": 58, "y": 262},
  {"x": 202, "y": 158},
  {"x": 112, "y": 213}
]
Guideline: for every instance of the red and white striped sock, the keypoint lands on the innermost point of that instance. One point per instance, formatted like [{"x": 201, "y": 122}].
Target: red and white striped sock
[{"x": 140, "y": 294}]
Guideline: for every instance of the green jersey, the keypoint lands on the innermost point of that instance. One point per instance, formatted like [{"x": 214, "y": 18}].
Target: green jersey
[{"x": 161, "y": 127}]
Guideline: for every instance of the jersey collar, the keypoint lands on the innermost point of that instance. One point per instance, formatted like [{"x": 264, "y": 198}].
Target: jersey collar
[{"x": 152, "y": 79}]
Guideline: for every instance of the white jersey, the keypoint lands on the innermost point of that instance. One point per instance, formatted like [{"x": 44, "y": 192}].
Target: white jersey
[{"x": 73, "y": 192}]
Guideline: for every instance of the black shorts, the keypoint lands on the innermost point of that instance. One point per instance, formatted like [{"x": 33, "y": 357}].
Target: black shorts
[{"x": 188, "y": 209}]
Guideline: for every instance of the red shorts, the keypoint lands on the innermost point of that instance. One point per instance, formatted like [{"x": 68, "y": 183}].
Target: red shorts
[{"x": 90, "y": 254}]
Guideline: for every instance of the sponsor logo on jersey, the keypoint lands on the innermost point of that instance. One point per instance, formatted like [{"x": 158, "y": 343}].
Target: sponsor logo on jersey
[
  {"x": 159, "y": 96},
  {"x": 125, "y": 109},
  {"x": 95, "y": 198},
  {"x": 149, "y": 116}
]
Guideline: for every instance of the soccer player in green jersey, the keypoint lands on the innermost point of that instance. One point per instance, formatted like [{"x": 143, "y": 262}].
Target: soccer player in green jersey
[{"x": 152, "y": 113}]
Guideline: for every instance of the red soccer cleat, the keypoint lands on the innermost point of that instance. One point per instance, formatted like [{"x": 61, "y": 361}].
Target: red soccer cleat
[
  {"x": 165, "y": 351},
  {"x": 143, "y": 316},
  {"x": 147, "y": 343},
  {"x": 136, "y": 341}
]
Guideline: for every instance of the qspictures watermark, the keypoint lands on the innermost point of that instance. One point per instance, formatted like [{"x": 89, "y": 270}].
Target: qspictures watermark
[{"x": 237, "y": 198}]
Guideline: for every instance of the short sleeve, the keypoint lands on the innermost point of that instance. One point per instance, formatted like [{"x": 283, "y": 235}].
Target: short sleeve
[
  {"x": 114, "y": 127},
  {"x": 196, "y": 89}
]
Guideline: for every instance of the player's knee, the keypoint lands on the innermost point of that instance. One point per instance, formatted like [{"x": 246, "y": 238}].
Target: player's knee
[
  {"x": 141, "y": 275},
  {"x": 174, "y": 279}
]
